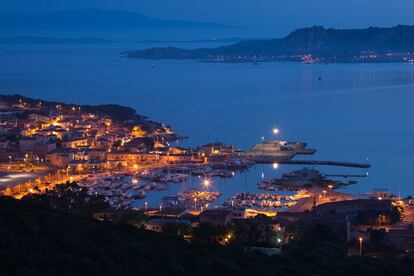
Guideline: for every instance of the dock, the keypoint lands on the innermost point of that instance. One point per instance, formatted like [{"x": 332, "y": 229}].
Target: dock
[
  {"x": 345, "y": 175},
  {"x": 325, "y": 163}
]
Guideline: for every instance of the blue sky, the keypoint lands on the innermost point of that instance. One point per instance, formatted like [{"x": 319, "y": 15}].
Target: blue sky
[{"x": 267, "y": 15}]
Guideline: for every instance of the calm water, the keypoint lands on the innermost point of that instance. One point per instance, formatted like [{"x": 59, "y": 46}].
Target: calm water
[{"x": 357, "y": 112}]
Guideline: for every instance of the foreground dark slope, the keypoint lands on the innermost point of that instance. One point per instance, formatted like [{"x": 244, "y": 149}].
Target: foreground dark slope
[
  {"x": 35, "y": 240},
  {"x": 316, "y": 41},
  {"x": 39, "y": 241}
]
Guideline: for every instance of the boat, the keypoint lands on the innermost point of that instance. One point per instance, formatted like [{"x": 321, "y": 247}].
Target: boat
[
  {"x": 303, "y": 178},
  {"x": 273, "y": 151}
]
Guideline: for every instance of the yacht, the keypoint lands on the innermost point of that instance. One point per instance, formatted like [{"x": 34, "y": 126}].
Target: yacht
[{"x": 273, "y": 151}]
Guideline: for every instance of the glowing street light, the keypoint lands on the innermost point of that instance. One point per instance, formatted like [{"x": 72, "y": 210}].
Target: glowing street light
[
  {"x": 330, "y": 186},
  {"x": 206, "y": 183},
  {"x": 360, "y": 239},
  {"x": 275, "y": 166},
  {"x": 275, "y": 131}
]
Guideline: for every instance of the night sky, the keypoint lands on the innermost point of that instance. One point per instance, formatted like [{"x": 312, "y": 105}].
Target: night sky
[{"x": 278, "y": 17}]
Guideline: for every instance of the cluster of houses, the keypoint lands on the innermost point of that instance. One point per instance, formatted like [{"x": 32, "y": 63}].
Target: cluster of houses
[{"x": 67, "y": 137}]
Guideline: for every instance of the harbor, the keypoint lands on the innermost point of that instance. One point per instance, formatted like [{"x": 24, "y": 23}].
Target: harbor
[
  {"x": 235, "y": 179},
  {"x": 261, "y": 201},
  {"x": 255, "y": 188},
  {"x": 141, "y": 165}
]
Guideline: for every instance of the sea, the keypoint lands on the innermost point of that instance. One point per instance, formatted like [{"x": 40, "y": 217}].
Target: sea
[{"x": 347, "y": 112}]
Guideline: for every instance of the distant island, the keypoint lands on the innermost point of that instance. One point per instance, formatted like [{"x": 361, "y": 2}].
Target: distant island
[
  {"x": 94, "y": 19},
  {"x": 308, "y": 45},
  {"x": 19, "y": 40}
]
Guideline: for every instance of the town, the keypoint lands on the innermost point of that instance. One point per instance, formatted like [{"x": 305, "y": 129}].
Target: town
[{"x": 111, "y": 158}]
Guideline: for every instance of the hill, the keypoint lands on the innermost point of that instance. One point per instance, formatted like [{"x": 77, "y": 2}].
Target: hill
[
  {"x": 315, "y": 44},
  {"x": 117, "y": 112},
  {"x": 93, "y": 19},
  {"x": 35, "y": 240},
  {"x": 51, "y": 40}
]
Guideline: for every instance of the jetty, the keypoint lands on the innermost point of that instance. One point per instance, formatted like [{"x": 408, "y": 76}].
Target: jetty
[
  {"x": 325, "y": 163},
  {"x": 346, "y": 175}
]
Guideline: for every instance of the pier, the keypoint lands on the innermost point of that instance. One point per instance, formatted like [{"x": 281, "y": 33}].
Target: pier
[
  {"x": 346, "y": 175},
  {"x": 325, "y": 163}
]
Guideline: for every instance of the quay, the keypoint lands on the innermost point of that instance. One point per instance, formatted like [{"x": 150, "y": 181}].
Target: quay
[
  {"x": 325, "y": 163},
  {"x": 346, "y": 175}
]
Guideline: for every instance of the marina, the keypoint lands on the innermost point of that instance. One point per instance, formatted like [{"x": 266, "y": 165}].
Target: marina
[
  {"x": 139, "y": 164},
  {"x": 302, "y": 179},
  {"x": 262, "y": 200},
  {"x": 195, "y": 187},
  {"x": 196, "y": 200}
]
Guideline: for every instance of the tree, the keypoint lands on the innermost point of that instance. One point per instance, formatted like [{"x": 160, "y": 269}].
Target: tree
[
  {"x": 71, "y": 198},
  {"x": 208, "y": 231},
  {"x": 176, "y": 229},
  {"x": 132, "y": 217}
]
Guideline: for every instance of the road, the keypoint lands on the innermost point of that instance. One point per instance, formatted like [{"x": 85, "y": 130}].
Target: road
[{"x": 318, "y": 197}]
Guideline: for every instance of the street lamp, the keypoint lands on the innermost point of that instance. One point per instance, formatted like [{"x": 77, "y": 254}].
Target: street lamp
[
  {"x": 330, "y": 186},
  {"x": 146, "y": 208},
  {"x": 360, "y": 239},
  {"x": 206, "y": 183},
  {"x": 275, "y": 131},
  {"x": 275, "y": 166}
]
